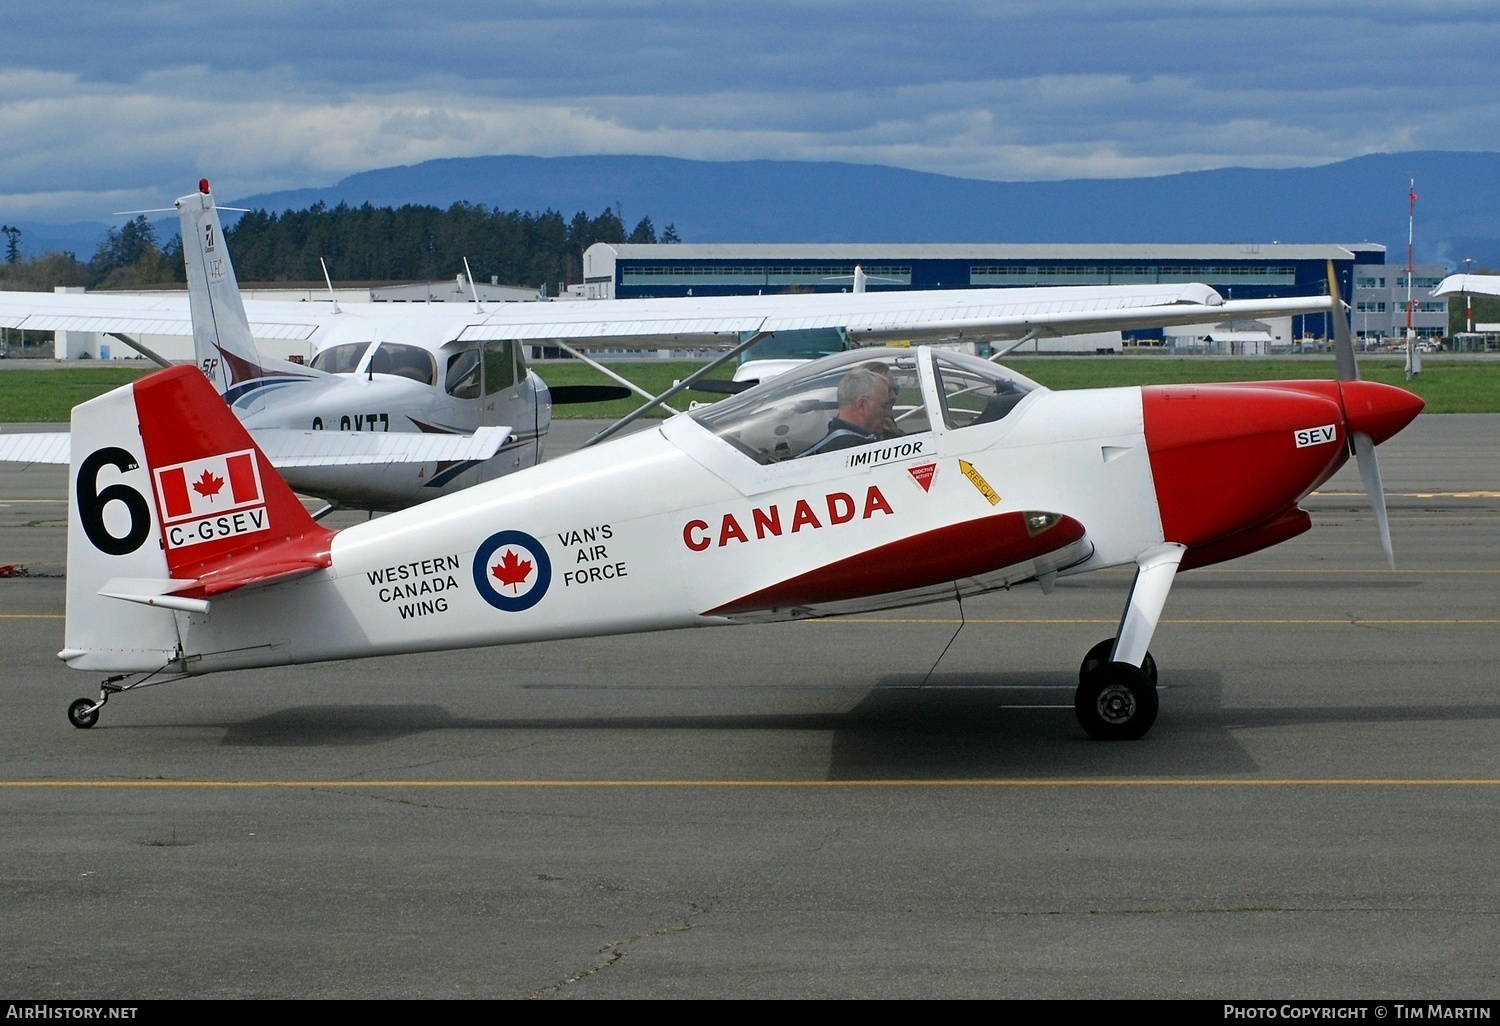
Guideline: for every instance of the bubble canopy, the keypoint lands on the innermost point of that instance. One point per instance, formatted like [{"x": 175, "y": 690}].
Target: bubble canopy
[{"x": 863, "y": 397}]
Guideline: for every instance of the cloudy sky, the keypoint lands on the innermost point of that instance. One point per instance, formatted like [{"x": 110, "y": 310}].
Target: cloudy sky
[{"x": 107, "y": 105}]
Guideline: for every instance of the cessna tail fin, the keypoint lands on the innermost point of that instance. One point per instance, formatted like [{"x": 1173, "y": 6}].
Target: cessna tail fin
[
  {"x": 170, "y": 503},
  {"x": 222, "y": 343}
]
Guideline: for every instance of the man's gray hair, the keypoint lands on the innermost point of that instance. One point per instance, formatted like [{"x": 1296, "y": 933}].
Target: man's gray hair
[{"x": 862, "y": 381}]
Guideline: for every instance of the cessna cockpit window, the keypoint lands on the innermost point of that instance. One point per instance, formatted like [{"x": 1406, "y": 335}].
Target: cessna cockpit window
[
  {"x": 499, "y": 366},
  {"x": 340, "y": 359},
  {"x": 404, "y": 361},
  {"x": 462, "y": 378},
  {"x": 856, "y": 398}
]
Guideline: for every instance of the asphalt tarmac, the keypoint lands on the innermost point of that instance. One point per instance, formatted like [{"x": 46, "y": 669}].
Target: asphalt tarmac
[{"x": 820, "y": 809}]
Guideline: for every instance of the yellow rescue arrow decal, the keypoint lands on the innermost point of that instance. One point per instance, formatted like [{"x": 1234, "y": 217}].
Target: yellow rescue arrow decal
[{"x": 978, "y": 481}]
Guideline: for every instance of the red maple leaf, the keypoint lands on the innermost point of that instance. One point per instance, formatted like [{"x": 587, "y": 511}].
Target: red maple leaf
[
  {"x": 208, "y": 485},
  {"x": 512, "y": 571}
]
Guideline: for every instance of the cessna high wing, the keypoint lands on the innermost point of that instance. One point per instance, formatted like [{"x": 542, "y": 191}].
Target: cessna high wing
[
  {"x": 1469, "y": 284},
  {"x": 866, "y": 480},
  {"x": 393, "y": 407}
]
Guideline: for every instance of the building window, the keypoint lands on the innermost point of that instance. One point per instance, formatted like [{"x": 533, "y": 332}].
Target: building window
[{"x": 1128, "y": 274}]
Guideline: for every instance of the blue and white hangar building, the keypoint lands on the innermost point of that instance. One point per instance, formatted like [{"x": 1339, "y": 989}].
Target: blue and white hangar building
[{"x": 1236, "y": 271}]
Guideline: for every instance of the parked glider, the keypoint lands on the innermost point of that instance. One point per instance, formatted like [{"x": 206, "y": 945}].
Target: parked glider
[{"x": 187, "y": 554}]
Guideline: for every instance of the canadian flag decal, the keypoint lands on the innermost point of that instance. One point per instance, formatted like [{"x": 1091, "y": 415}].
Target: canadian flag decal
[{"x": 214, "y": 484}]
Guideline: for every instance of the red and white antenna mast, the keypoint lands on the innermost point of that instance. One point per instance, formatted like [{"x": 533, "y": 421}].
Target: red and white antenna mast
[{"x": 1413, "y": 361}]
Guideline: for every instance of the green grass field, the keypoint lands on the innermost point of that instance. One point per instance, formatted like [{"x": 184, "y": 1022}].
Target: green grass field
[{"x": 1450, "y": 385}]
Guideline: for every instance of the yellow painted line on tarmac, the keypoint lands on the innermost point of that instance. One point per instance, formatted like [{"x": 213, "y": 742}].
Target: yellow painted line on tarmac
[
  {"x": 1349, "y": 621},
  {"x": 1479, "y": 494},
  {"x": 1320, "y": 571},
  {"x": 1062, "y": 782}
]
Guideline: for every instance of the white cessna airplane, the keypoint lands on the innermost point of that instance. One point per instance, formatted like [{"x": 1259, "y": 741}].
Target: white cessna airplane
[{"x": 402, "y": 403}]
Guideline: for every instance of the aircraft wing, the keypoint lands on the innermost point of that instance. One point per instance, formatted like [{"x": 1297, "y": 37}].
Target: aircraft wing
[
  {"x": 971, "y": 314},
  {"x": 146, "y": 315},
  {"x": 1473, "y": 284},
  {"x": 976, "y": 314},
  {"x": 288, "y": 449}
]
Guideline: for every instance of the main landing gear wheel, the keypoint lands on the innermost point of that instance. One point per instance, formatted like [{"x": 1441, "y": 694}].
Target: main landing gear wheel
[
  {"x": 83, "y": 713},
  {"x": 1099, "y": 656},
  {"x": 1116, "y": 702}
]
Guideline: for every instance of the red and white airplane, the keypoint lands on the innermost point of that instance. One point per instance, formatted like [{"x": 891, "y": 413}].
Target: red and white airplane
[{"x": 188, "y": 554}]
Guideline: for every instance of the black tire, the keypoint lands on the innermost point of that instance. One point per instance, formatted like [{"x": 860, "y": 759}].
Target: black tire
[
  {"x": 1116, "y": 702},
  {"x": 1099, "y": 656},
  {"x": 82, "y": 713}
]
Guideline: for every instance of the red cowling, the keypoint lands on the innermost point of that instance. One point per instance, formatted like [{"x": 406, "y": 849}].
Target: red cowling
[{"x": 1227, "y": 457}]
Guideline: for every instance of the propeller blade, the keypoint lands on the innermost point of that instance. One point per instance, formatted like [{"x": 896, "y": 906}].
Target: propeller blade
[
  {"x": 1369, "y": 470},
  {"x": 723, "y": 387},
  {"x": 1343, "y": 342},
  {"x": 563, "y": 395}
]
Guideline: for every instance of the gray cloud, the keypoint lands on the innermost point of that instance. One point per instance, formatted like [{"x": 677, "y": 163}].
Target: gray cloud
[{"x": 132, "y": 99}]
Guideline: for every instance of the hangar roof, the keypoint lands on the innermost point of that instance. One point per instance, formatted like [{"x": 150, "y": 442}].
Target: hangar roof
[{"x": 993, "y": 251}]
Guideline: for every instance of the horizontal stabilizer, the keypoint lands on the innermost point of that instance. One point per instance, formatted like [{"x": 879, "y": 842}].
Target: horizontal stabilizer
[
  {"x": 35, "y": 447},
  {"x": 290, "y": 449},
  {"x": 286, "y": 448},
  {"x": 154, "y": 593},
  {"x": 42, "y": 311}
]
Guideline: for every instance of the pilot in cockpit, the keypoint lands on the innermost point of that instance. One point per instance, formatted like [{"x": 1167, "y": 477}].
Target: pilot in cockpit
[
  {"x": 887, "y": 427},
  {"x": 866, "y": 398}
]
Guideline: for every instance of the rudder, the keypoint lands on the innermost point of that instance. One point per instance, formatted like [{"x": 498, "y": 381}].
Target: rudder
[{"x": 170, "y": 503}]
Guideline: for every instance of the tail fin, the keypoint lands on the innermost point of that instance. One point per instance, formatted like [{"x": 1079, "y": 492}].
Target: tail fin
[
  {"x": 170, "y": 503},
  {"x": 222, "y": 343}
]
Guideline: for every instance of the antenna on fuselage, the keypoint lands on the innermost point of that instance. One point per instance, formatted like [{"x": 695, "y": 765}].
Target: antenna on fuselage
[
  {"x": 473, "y": 289},
  {"x": 329, "y": 280}
]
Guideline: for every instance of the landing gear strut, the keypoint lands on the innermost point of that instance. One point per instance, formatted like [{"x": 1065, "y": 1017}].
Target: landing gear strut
[
  {"x": 83, "y": 713},
  {"x": 1116, "y": 697}
]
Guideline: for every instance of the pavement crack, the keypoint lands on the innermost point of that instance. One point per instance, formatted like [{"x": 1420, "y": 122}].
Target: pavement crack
[{"x": 612, "y": 953}]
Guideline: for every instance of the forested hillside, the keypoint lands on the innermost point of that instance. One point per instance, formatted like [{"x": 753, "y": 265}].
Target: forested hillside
[{"x": 363, "y": 243}]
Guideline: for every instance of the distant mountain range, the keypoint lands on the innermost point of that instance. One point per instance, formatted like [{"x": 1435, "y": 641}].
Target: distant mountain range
[{"x": 1359, "y": 200}]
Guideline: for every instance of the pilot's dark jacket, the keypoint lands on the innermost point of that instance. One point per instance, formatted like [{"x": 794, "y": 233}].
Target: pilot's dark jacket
[{"x": 841, "y": 435}]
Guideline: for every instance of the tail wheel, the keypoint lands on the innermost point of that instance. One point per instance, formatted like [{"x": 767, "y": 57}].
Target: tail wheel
[
  {"x": 1116, "y": 702},
  {"x": 1099, "y": 656},
  {"x": 83, "y": 713}
]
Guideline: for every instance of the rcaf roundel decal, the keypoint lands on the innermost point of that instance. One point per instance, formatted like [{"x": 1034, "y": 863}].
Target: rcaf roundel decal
[{"x": 512, "y": 571}]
